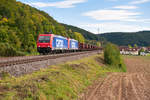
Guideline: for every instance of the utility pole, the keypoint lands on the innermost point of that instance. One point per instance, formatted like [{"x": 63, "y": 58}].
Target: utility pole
[{"x": 98, "y": 30}]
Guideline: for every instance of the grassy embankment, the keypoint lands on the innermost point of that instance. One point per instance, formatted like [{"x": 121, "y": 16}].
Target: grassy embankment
[{"x": 59, "y": 82}]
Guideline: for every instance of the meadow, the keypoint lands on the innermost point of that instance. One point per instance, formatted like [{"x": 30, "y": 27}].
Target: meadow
[{"x": 58, "y": 82}]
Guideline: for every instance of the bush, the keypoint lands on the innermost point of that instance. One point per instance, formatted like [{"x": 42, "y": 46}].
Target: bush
[
  {"x": 112, "y": 54},
  {"x": 8, "y": 50}
]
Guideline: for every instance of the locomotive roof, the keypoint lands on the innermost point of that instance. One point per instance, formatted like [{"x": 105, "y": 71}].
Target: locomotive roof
[
  {"x": 56, "y": 36},
  {"x": 45, "y": 34},
  {"x": 59, "y": 36}
]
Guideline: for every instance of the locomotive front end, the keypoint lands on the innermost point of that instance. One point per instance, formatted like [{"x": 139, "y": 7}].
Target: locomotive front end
[{"x": 44, "y": 44}]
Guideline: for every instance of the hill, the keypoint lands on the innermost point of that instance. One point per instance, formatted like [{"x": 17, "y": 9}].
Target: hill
[
  {"x": 141, "y": 38},
  {"x": 86, "y": 34},
  {"x": 20, "y": 24}
]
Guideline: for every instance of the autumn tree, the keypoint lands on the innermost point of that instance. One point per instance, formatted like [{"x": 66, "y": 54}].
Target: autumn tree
[
  {"x": 79, "y": 37},
  {"x": 135, "y": 45}
]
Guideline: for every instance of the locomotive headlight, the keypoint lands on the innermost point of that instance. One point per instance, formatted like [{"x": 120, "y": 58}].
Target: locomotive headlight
[
  {"x": 48, "y": 46},
  {"x": 39, "y": 46}
]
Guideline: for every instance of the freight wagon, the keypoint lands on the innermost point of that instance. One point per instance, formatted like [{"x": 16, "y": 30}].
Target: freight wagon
[{"x": 73, "y": 45}]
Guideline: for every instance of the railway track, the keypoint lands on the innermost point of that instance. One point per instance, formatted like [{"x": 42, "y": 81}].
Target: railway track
[{"x": 24, "y": 60}]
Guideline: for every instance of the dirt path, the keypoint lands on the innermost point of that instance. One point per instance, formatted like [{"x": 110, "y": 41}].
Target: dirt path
[{"x": 133, "y": 85}]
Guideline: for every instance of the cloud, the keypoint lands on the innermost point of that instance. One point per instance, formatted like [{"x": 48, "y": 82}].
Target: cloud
[
  {"x": 139, "y": 1},
  {"x": 126, "y": 7},
  {"x": 119, "y": 15},
  {"x": 61, "y": 4},
  {"x": 113, "y": 27}
]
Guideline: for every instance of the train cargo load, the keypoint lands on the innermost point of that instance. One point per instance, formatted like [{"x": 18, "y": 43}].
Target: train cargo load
[
  {"x": 73, "y": 44},
  {"x": 59, "y": 43}
]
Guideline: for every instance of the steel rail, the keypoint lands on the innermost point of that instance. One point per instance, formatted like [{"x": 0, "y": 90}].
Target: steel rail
[{"x": 39, "y": 58}]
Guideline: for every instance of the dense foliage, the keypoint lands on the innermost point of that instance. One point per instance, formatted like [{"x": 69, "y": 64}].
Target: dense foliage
[
  {"x": 139, "y": 38},
  {"x": 9, "y": 50},
  {"x": 112, "y": 56},
  {"x": 20, "y": 25}
]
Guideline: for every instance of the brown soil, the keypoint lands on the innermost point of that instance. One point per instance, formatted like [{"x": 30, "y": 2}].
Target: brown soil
[{"x": 133, "y": 85}]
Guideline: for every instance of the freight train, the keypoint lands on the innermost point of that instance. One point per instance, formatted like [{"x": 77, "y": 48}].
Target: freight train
[{"x": 51, "y": 43}]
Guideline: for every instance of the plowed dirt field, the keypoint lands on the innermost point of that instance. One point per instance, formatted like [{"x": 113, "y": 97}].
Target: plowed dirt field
[{"x": 132, "y": 85}]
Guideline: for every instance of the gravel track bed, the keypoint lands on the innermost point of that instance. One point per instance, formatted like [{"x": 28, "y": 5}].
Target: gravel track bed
[
  {"x": 6, "y": 59},
  {"x": 21, "y": 69}
]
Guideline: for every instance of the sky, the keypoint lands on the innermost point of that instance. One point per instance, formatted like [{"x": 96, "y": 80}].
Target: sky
[{"x": 98, "y": 16}]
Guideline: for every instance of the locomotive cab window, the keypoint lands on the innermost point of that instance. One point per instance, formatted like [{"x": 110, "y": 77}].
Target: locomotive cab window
[{"x": 44, "y": 39}]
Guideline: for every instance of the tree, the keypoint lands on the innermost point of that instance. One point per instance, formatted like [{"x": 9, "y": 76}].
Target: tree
[
  {"x": 79, "y": 37},
  {"x": 98, "y": 44},
  {"x": 141, "y": 50},
  {"x": 13, "y": 39},
  {"x": 1, "y": 17},
  {"x": 129, "y": 46},
  {"x": 3, "y": 34},
  {"x": 4, "y": 20},
  {"x": 135, "y": 45}
]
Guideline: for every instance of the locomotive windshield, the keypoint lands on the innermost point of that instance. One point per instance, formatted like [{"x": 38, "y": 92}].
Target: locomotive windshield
[{"x": 44, "y": 39}]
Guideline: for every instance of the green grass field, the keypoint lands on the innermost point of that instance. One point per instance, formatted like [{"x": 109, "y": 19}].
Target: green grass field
[{"x": 58, "y": 82}]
